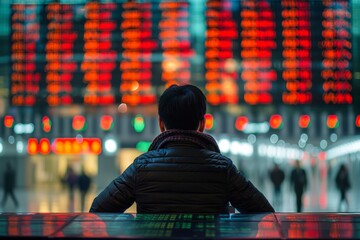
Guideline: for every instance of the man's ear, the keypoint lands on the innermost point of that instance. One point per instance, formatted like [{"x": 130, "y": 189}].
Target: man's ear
[
  {"x": 161, "y": 125},
  {"x": 202, "y": 125}
]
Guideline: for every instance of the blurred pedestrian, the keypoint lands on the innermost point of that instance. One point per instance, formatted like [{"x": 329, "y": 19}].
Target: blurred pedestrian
[
  {"x": 84, "y": 182},
  {"x": 9, "y": 185},
  {"x": 343, "y": 184},
  {"x": 277, "y": 177},
  {"x": 71, "y": 181},
  {"x": 299, "y": 181}
]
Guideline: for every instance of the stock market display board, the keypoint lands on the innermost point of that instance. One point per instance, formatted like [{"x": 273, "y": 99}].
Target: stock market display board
[{"x": 254, "y": 52}]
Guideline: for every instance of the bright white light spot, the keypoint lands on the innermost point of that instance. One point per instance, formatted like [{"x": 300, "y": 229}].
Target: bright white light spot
[
  {"x": 20, "y": 148},
  {"x": 26, "y": 128},
  {"x": 280, "y": 153},
  {"x": 301, "y": 143},
  {"x": 224, "y": 145},
  {"x": 262, "y": 149},
  {"x": 323, "y": 144},
  {"x": 291, "y": 154},
  {"x": 309, "y": 148},
  {"x": 241, "y": 148},
  {"x": 11, "y": 139},
  {"x": 333, "y": 137},
  {"x": 271, "y": 151},
  {"x": 110, "y": 145},
  {"x": 274, "y": 138},
  {"x": 79, "y": 138},
  {"x": 29, "y": 128},
  {"x": 1, "y": 147},
  {"x": 281, "y": 143},
  {"x": 304, "y": 137},
  {"x": 343, "y": 149},
  {"x": 246, "y": 149},
  {"x": 122, "y": 108},
  {"x": 235, "y": 147},
  {"x": 256, "y": 128},
  {"x": 251, "y": 138}
]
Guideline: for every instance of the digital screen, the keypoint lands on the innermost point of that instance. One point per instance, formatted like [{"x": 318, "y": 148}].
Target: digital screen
[
  {"x": 253, "y": 52},
  {"x": 33, "y": 225},
  {"x": 184, "y": 226}
]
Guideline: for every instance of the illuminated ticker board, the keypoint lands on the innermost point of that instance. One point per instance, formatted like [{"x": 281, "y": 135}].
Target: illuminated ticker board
[
  {"x": 253, "y": 52},
  {"x": 278, "y": 52}
]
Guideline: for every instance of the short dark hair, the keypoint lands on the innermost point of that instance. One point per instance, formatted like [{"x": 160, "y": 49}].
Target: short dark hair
[{"x": 182, "y": 107}]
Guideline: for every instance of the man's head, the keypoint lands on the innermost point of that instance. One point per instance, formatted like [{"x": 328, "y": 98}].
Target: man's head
[{"x": 182, "y": 107}]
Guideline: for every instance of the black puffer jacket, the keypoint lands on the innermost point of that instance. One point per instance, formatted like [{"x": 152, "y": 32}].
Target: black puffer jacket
[{"x": 181, "y": 177}]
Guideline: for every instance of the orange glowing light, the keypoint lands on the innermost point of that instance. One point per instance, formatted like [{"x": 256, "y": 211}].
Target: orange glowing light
[
  {"x": 44, "y": 146},
  {"x": 77, "y": 146},
  {"x": 296, "y": 98},
  {"x": 32, "y": 146},
  {"x": 95, "y": 147},
  {"x": 209, "y": 121},
  {"x": 241, "y": 122},
  {"x": 332, "y": 121},
  {"x": 304, "y": 121},
  {"x": 275, "y": 121},
  {"x": 213, "y": 99},
  {"x": 106, "y": 122},
  {"x": 357, "y": 121},
  {"x": 9, "y": 121},
  {"x": 78, "y": 123},
  {"x": 46, "y": 124}
]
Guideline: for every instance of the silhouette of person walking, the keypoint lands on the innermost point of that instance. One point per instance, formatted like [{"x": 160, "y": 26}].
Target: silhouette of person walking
[
  {"x": 71, "y": 181},
  {"x": 9, "y": 185},
  {"x": 277, "y": 177},
  {"x": 343, "y": 184},
  {"x": 84, "y": 185},
  {"x": 299, "y": 181}
]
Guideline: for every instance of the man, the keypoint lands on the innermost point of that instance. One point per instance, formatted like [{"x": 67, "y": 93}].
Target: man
[
  {"x": 9, "y": 185},
  {"x": 343, "y": 184},
  {"x": 299, "y": 182},
  {"x": 183, "y": 171},
  {"x": 83, "y": 182},
  {"x": 277, "y": 177}
]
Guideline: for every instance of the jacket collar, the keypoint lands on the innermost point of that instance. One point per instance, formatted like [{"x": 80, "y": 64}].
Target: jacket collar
[{"x": 185, "y": 137}]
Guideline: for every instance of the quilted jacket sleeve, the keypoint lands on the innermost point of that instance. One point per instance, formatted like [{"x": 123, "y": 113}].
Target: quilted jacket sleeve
[
  {"x": 244, "y": 196},
  {"x": 118, "y": 195}
]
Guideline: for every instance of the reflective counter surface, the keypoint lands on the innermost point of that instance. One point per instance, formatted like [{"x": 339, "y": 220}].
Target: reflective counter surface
[{"x": 180, "y": 226}]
